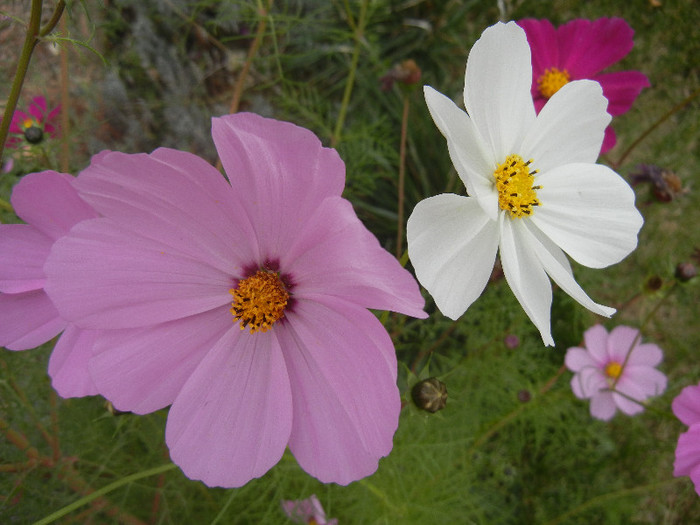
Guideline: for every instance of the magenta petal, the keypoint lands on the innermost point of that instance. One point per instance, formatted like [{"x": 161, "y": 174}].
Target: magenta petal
[
  {"x": 142, "y": 370},
  {"x": 687, "y": 452},
  {"x": 621, "y": 89},
  {"x": 603, "y": 406},
  {"x": 596, "y": 339},
  {"x": 23, "y": 250},
  {"x": 335, "y": 254},
  {"x": 28, "y": 320},
  {"x": 609, "y": 140},
  {"x": 174, "y": 198},
  {"x": 542, "y": 37},
  {"x": 342, "y": 370},
  {"x": 68, "y": 365},
  {"x": 686, "y": 405},
  {"x": 37, "y": 107},
  {"x": 49, "y": 202},
  {"x": 105, "y": 276},
  {"x": 280, "y": 172},
  {"x": 17, "y": 119},
  {"x": 231, "y": 420},
  {"x": 588, "y": 46}
]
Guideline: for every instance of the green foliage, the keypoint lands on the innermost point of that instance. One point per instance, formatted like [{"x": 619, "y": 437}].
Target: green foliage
[{"x": 513, "y": 445}]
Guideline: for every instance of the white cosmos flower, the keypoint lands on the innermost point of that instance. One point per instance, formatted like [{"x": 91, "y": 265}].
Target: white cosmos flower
[{"x": 534, "y": 189}]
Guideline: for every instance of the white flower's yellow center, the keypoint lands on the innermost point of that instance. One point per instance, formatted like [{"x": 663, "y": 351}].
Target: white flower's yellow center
[
  {"x": 514, "y": 182},
  {"x": 552, "y": 80},
  {"x": 613, "y": 370},
  {"x": 259, "y": 301}
]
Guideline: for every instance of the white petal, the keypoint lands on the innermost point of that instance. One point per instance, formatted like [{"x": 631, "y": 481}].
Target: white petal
[
  {"x": 570, "y": 128},
  {"x": 452, "y": 244},
  {"x": 472, "y": 159},
  {"x": 526, "y": 276},
  {"x": 558, "y": 268},
  {"x": 497, "y": 88},
  {"x": 588, "y": 211}
]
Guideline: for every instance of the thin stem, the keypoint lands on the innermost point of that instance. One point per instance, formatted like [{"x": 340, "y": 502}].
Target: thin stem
[
  {"x": 104, "y": 490},
  {"x": 65, "y": 105},
  {"x": 30, "y": 40},
  {"x": 358, "y": 35},
  {"x": 645, "y": 134},
  {"x": 402, "y": 175},
  {"x": 55, "y": 17}
]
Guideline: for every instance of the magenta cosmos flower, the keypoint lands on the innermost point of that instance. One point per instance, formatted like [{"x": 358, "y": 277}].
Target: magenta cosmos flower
[
  {"x": 686, "y": 407},
  {"x": 243, "y": 303},
  {"x": 50, "y": 206},
  {"x": 615, "y": 371},
  {"x": 307, "y": 511},
  {"x": 33, "y": 125},
  {"x": 578, "y": 50}
]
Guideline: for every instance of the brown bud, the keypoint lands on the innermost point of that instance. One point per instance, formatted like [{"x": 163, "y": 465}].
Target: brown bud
[
  {"x": 685, "y": 271},
  {"x": 430, "y": 394}
]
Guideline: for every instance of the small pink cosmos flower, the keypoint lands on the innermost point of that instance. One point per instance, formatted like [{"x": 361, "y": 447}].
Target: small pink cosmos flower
[
  {"x": 31, "y": 126},
  {"x": 615, "y": 370},
  {"x": 241, "y": 302},
  {"x": 50, "y": 206},
  {"x": 686, "y": 407},
  {"x": 307, "y": 511},
  {"x": 578, "y": 50}
]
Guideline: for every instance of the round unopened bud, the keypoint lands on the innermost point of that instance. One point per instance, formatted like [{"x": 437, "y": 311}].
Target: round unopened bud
[
  {"x": 430, "y": 394},
  {"x": 524, "y": 395},
  {"x": 685, "y": 271},
  {"x": 33, "y": 134},
  {"x": 653, "y": 284}
]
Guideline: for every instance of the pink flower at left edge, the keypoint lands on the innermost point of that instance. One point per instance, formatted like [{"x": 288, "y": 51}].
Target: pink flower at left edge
[
  {"x": 614, "y": 370},
  {"x": 243, "y": 303},
  {"x": 686, "y": 407},
  {"x": 307, "y": 511},
  {"x": 32, "y": 125},
  {"x": 50, "y": 206},
  {"x": 579, "y": 50}
]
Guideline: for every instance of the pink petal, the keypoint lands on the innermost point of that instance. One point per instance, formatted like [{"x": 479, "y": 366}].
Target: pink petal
[
  {"x": 49, "y": 202},
  {"x": 105, "y": 276},
  {"x": 587, "y": 46},
  {"x": 37, "y": 107},
  {"x": 232, "y": 419},
  {"x": 588, "y": 382},
  {"x": 687, "y": 452},
  {"x": 646, "y": 354},
  {"x": 28, "y": 320},
  {"x": 142, "y": 370},
  {"x": 648, "y": 380},
  {"x": 18, "y": 119},
  {"x": 23, "y": 250},
  {"x": 68, "y": 365},
  {"x": 342, "y": 370},
  {"x": 602, "y": 406},
  {"x": 176, "y": 199},
  {"x": 577, "y": 359},
  {"x": 280, "y": 172},
  {"x": 335, "y": 254},
  {"x": 596, "y": 340},
  {"x": 620, "y": 342},
  {"x": 686, "y": 405},
  {"x": 621, "y": 89},
  {"x": 609, "y": 140}
]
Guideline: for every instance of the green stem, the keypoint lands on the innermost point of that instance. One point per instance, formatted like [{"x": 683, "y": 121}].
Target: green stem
[
  {"x": 104, "y": 490},
  {"x": 598, "y": 500},
  {"x": 655, "y": 125},
  {"x": 358, "y": 36},
  {"x": 6, "y": 206},
  {"x": 402, "y": 175}
]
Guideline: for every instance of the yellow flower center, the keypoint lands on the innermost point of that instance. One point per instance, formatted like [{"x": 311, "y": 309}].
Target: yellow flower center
[
  {"x": 29, "y": 122},
  {"x": 552, "y": 81},
  {"x": 516, "y": 194},
  {"x": 259, "y": 301},
  {"x": 613, "y": 370}
]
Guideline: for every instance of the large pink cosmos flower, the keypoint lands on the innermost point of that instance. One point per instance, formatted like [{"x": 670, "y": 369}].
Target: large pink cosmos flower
[
  {"x": 50, "y": 206},
  {"x": 686, "y": 407},
  {"x": 615, "y": 369},
  {"x": 31, "y": 126},
  {"x": 578, "y": 50},
  {"x": 242, "y": 303}
]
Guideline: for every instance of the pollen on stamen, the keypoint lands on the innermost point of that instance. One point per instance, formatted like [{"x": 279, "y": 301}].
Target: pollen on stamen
[
  {"x": 514, "y": 182},
  {"x": 552, "y": 80},
  {"x": 259, "y": 301}
]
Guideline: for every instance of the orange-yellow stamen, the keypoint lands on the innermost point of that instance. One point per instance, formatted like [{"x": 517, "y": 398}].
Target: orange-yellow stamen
[
  {"x": 28, "y": 123},
  {"x": 613, "y": 370},
  {"x": 552, "y": 80},
  {"x": 514, "y": 182},
  {"x": 259, "y": 301}
]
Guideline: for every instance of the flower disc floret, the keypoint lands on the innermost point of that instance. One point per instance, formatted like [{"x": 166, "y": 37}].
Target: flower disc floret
[
  {"x": 552, "y": 80},
  {"x": 259, "y": 301},
  {"x": 613, "y": 370},
  {"x": 516, "y": 192}
]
